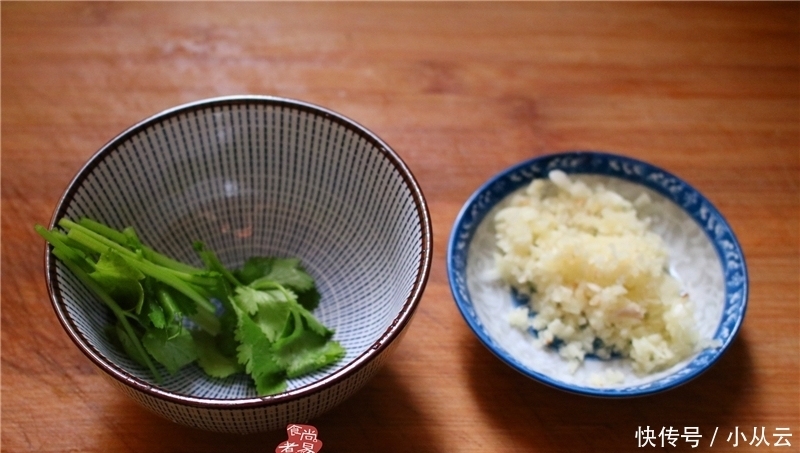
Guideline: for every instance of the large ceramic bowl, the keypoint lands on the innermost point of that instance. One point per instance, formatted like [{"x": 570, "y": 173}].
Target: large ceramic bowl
[
  {"x": 251, "y": 176},
  {"x": 705, "y": 258}
]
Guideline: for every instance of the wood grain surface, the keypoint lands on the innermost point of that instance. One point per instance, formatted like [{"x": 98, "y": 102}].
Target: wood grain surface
[{"x": 708, "y": 91}]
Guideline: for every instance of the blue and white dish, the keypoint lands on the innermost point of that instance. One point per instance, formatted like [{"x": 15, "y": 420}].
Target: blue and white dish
[
  {"x": 257, "y": 176},
  {"x": 705, "y": 257}
]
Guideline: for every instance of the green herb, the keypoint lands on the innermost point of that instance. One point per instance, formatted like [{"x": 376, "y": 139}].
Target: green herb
[{"x": 261, "y": 323}]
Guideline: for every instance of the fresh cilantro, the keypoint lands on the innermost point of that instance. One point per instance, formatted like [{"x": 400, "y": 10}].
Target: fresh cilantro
[
  {"x": 172, "y": 351},
  {"x": 155, "y": 314},
  {"x": 121, "y": 280},
  {"x": 307, "y": 352},
  {"x": 286, "y": 272},
  {"x": 130, "y": 344},
  {"x": 278, "y": 335},
  {"x": 211, "y": 359},
  {"x": 257, "y": 319},
  {"x": 254, "y": 348}
]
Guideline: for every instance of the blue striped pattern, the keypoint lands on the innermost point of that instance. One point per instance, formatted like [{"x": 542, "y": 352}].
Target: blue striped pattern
[{"x": 259, "y": 176}]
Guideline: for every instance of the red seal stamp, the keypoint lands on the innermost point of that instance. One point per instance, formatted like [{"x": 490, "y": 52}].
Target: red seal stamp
[{"x": 302, "y": 439}]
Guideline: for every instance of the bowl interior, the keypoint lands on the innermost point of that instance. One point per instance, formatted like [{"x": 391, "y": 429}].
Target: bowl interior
[
  {"x": 704, "y": 257},
  {"x": 258, "y": 177}
]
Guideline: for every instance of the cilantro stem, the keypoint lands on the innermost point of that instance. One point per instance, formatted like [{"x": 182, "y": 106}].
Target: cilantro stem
[
  {"x": 66, "y": 252},
  {"x": 59, "y": 252},
  {"x": 171, "y": 311},
  {"x": 169, "y": 263},
  {"x": 207, "y": 321},
  {"x": 213, "y": 263},
  {"x": 101, "y": 244},
  {"x": 82, "y": 234},
  {"x": 264, "y": 323},
  {"x": 129, "y": 236},
  {"x": 103, "y": 230},
  {"x": 266, "y": 283}
]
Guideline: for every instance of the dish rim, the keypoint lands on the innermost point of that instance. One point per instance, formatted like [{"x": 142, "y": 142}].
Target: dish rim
[{"x": 631, "y": 170}]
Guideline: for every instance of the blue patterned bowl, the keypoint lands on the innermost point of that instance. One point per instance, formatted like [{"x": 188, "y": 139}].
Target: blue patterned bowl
[
  {"x": 254, "y": 175},
  {"x": 705, "y": 257}
]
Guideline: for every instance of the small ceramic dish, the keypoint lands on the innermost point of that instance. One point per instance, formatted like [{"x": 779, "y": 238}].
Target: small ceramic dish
[
  {"x": 256, "y": 176},
  {"x": 705, "y": 257}
]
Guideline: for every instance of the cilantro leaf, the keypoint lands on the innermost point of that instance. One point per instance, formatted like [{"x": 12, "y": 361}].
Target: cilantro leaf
[
  {"x": 173, "y": 352},
  {"x": 156, "y": 316},
  {"x": 272, "y": 318},
  {"x": 280, "y": 338},
  {"x": 253, "y": 269},
  {"x": 270, "y": 384},
  {"x": 307, "y": 352},
  {"x": 309, "y": 299},
  {"x": 250, "y": 299},
  {"x": 313, "y": 323},
  {"x": 226, "y": 339},
  {"x": 287, "y": 272},
  {"x": 213, "y": 361},
  {"x": 254, "y": 347},
  {"x": 264, "y": 272}
]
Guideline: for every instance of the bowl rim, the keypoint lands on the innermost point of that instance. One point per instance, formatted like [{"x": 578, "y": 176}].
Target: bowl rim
[
  {"x": 630, "y": 169},
  {"x": 392, "y": 333}
]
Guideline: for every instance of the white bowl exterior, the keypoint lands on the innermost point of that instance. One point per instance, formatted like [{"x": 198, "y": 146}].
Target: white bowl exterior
[{"x": 257, "y": 176}]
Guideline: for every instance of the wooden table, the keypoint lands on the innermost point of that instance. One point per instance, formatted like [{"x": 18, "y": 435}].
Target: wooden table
[{"x": 708, "y": 91}]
